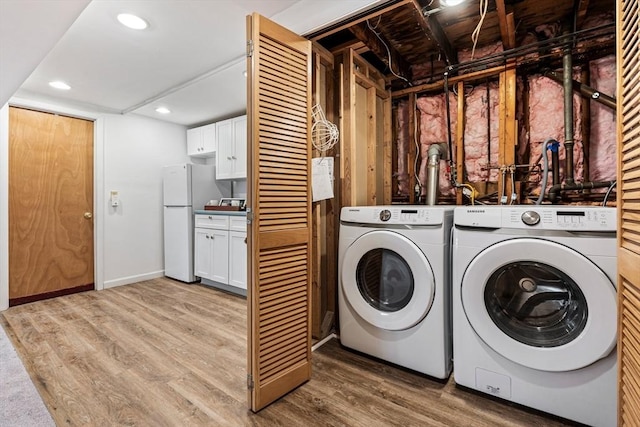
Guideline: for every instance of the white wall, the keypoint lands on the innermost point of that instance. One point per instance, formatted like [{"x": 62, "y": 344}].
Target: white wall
[
  {"x": 135, "y": 150},
  {"x": 129, "y": 153}
]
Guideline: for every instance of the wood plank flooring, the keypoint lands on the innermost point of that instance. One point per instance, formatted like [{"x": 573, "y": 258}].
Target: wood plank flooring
[{"x": 162, "y": 353}]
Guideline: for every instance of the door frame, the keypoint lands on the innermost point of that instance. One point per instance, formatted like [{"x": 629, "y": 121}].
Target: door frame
[{"x": 98, "y": 186}]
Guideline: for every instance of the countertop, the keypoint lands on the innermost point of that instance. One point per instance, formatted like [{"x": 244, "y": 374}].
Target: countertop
[{"x": 230, "y": 213}]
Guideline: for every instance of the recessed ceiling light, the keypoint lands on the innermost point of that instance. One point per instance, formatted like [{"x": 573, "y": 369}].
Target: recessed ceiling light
[
  {"x": 450, "y": 2},
  {"x": 163, "y": 110},
  {"x": 60, "y": 85},
  {"x": 132, "y": 21}
]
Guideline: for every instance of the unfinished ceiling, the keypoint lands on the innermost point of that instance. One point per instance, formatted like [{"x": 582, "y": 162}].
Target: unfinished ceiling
[{"x": 417, "y": 39}]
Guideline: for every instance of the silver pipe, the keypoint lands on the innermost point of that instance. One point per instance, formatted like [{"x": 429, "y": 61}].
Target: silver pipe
[{"x": 433, "y": 173}]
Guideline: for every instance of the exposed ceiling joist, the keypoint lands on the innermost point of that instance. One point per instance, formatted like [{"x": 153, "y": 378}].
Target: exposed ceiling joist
[
  {"x": 507, "y": 25},
  {"x": 434, "y": 31},
  {"x": 581, "y": 12},
  {"x": 383, "y": 50}
]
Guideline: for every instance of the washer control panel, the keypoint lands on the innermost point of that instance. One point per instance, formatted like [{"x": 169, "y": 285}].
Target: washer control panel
[{"x": 570, "y": 218}]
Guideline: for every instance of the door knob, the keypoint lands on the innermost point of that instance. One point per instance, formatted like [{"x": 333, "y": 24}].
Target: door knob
[{"x": 88, "y": 215}]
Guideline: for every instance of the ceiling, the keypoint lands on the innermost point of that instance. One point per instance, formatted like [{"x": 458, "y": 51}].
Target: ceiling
[
  {"x": 191, "y": 58},
  {"x": 421, "y": 37}
]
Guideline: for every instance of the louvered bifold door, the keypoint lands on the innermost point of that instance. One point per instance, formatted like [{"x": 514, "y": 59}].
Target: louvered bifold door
[
  {"x": 279, "y": 152},
  {"x": 628, "y": 45}
]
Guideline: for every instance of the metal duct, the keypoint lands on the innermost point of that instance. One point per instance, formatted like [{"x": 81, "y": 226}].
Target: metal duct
[{"x": 434, "y": 155}]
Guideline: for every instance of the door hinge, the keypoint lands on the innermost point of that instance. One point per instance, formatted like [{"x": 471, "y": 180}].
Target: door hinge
[
  {"x": 250, "y": 381},
  {"x": 249, "y": 216},
  {"x": 249, "y": 48}
]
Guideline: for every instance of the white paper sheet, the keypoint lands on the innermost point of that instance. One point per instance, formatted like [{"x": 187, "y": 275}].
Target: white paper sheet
[{"x": 322, "y": 178}]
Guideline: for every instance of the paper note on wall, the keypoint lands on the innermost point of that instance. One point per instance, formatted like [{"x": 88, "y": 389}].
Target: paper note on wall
[{"x": 321, "y": 178}]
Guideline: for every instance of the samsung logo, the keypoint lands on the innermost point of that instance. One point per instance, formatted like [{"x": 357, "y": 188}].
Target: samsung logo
[{"x": 475, "y": 211}]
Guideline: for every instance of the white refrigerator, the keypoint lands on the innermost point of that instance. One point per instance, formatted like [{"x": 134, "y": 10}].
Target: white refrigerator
[{"x": 185, "y": 187}]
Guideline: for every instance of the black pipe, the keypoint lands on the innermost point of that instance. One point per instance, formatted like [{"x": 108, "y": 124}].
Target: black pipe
[
  {"x": 567, "y": 66},
  {"x": 449, "y": 137},
  {"x": 488, "y": 128},
  {"x": 585, "y": 90},
  {"x": 555, "y": 190}
]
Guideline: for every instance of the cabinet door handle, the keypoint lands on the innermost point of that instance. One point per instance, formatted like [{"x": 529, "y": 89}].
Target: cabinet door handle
[
  {"x": 245, "y": 240},
  {"x": 228, "y": 158},
  {"x": 233, "y": 157}
]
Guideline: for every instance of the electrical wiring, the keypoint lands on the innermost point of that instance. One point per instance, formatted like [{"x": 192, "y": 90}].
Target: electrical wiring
[
  {"x": 473, "y": 192},
  {"x": 373, "y": 29},
  {"x": 606, "y": 196},
  {"x": 484, "y": 5}
]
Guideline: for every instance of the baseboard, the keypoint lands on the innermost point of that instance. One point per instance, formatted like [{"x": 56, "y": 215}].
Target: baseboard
[{"x": 132, "y": 279}]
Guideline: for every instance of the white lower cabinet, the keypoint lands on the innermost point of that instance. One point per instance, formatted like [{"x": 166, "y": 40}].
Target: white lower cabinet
[{"x": 221, "y": 250}]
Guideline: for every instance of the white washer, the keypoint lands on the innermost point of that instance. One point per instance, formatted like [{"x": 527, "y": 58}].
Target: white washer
[
  {"x": 534, "y": 307},
  {"x": 394, "y": 296}
]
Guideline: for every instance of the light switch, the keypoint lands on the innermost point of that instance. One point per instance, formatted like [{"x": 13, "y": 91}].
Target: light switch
[{"x": 115, "y": 199}]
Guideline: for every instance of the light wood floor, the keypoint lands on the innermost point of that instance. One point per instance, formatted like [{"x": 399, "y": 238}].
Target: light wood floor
[{"x": 161, "y": 353}]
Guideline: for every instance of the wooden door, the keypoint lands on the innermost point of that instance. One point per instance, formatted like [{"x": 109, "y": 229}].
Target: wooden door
[
  {"x": 628, "y": 109},
  {"x": 279, "y": 237},
  {"x": 50, "y": 205}
]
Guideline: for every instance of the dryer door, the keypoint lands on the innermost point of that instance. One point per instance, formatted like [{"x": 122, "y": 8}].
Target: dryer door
[
  {"x": 387, "y": 280},
  {"x": 540, "y": 304}
]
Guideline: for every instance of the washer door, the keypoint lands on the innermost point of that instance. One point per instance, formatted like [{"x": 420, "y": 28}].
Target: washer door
[
  {"x": 387, "y": 280},
  {"x": 540, "y": 304}
]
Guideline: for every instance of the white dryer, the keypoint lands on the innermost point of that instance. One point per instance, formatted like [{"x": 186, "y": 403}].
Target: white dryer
[
  {"x": 534, "y": 307},
  {"x": 394, "y": 293}
]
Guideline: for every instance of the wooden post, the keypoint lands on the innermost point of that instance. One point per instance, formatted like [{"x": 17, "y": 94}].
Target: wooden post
[
  {"x": 412, "y": 155},
  {"x": 507, "y": 132},
  {"x": 460, "y": 141}
]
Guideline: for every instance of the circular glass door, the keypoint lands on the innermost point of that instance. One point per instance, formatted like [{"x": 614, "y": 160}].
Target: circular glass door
[
  {"x": 540, "y": 304},
  {"x": 387, "y": 280}
]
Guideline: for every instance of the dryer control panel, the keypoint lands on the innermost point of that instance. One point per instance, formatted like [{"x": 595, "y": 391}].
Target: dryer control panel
[
  {"x": 396, "y": 214},
  {"x": 570, "y": 218}
]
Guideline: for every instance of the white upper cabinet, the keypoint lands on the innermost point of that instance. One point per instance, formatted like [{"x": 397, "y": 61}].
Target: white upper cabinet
[
  {"x": 231, "y": 160},
  {"x": 201, "y": 141}
]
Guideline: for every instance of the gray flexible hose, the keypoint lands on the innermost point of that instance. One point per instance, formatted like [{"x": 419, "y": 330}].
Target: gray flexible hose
[{"x": 545, "y": 171}]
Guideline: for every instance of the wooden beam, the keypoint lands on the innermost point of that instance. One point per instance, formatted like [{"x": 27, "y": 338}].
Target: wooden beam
[
  {"x": 439, "y": 85},
  {"x": 581, "y": 12},
  {"x": 387, "y": 54},
  {"x": 356, "y": 45},
  {"x": 460, "y": 142},
  {"x": 372, "y": 15},
  {"x": 434, "y": 31},
  {"x": 507, "y": 27},
  {"x": 388, "y": 155},
  {"x": 412, "y": 151},
  {"x": 508, "y": 130}
]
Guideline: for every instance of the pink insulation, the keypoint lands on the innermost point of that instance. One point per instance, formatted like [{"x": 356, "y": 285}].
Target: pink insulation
[
  {"x": 403, "y": 149},
  {"x": 480, "y": 52},
  {"x": 476, "y": 146},
  {"x": 433, "y": 129},
  {"x": 602, "y": 156},
  {"x": 545, "y": 113},
  {"x": 546, "y": 120}
]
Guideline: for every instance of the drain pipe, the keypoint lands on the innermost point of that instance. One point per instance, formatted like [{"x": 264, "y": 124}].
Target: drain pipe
[
  {"x": 434, "y": 155},
  {"x": 569, "y": 184},
  {"x": 567, "y": 83},
  {"x": 585, "y": 90}
]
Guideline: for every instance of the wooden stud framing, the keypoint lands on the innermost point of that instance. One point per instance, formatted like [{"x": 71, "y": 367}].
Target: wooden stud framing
[
  {"x": 412, "y": 154},
  {"x": 507, "y": 130},
  {"x": 460, "y": 140}
]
